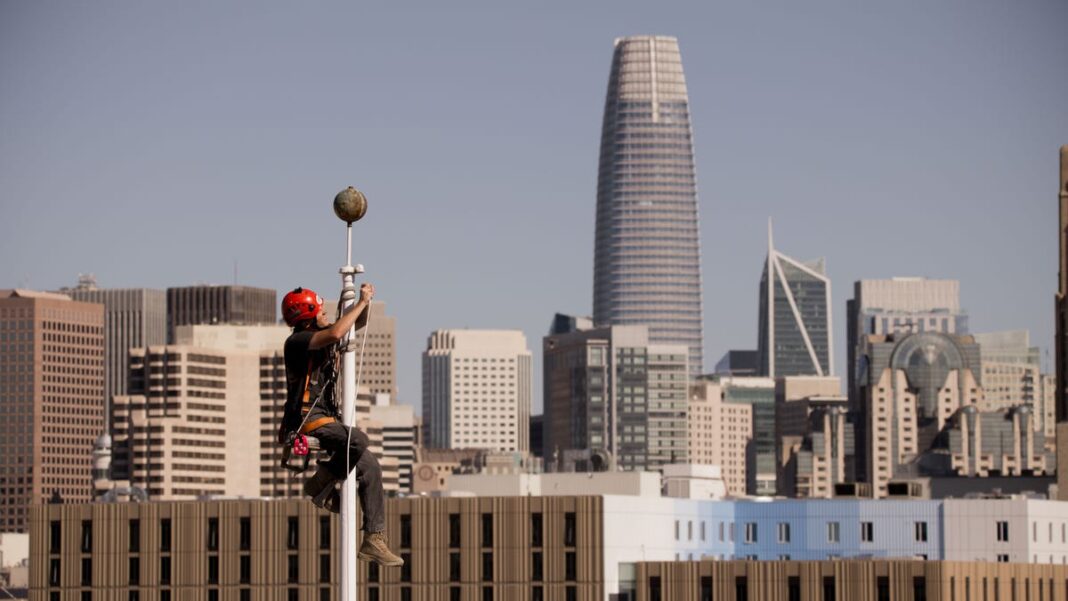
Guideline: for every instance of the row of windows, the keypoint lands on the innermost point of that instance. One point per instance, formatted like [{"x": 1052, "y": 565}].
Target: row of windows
[{"x": 783, "y": 530}]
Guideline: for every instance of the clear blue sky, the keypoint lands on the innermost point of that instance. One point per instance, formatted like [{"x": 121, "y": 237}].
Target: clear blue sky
[{"x": 156, "y": 144}]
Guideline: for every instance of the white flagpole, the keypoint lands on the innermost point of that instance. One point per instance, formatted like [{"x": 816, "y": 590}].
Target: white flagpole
[{"x": 349, "y": 205}]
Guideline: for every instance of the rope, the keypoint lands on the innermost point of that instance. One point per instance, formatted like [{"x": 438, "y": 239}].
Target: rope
[{"x": 359, "y": 376}]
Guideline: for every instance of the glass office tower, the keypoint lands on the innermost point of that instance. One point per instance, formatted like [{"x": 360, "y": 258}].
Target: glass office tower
[
  {"x": 795, "y": 317},
  {"x": 647, "y": 257}
]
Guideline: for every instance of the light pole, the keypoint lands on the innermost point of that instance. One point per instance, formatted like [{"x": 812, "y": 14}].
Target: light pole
[{"x": 349, "y": 205}]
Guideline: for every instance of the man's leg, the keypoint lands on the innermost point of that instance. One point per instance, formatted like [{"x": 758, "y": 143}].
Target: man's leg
[{"x": 372, "y": 496}]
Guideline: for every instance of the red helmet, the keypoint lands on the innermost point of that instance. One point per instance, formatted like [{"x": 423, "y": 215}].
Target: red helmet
[{"x": 300, "y": 306}]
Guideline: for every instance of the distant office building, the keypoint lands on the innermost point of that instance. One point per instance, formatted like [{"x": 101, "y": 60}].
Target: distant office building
[
  {"x": 52, "y": 398},
  {"x": 133, "y": 317},
  {"x": 901, "y": 305},
  {"x": 380, "y": 349},
  {"x": 1012, "y": 375},
  {"x": 1061, "y": 335},
  {"x": 647, "y": 255},
  {"x": 565, "y": 324},
  {"x": 476, "y": 390},
  {"x": 189, "y": 426},
  {"x": 795, "y": 337},
  {"x": 922, "y": 396},
  {"x": 212, "y": 304},
  {"x": 738, "y": 363},
  {"x": 720, "y": 433},
  {"x": 759, "y": 394},
  {"x": 400, "y": 437},
  {"x": 815, "y": 447},
  {"x": 611, "y": 390}
]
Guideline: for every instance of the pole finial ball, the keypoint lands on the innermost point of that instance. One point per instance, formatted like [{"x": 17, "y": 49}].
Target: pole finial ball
[{"x": 350, "y": 205}]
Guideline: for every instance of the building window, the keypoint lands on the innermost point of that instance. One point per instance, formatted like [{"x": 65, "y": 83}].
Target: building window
[
  {"x": 536, "y": 530},
  {"x": 293, "y": 594},
  {"x": 53, "y": 572},
  {"x": 455, "y": 593},
  {"x": 324, "y": 567},
  {"x": 921, "y": 532},
  {"x": 676, "y": 530},
  {"x": 245, "y": 534},
  {"x": 454, "y": 531},
  {"x": 134, "y": 595},
  {"x": 570, "y": 566},
  {"x": 867, "y": 532},
  {"x": 454, "y": 567},
  {"x": 213, "y": 569},
  {"x": 833, "y": 532},
  {"x": 919, "y": 588},
  {"x": 706, "y": 588},
  {"x": 784, "y": 532},
  {"x": 372, "y": 572},
  {"x": 135, "y": 536},
  {"x": 689, "y": 530},
  {"x": 406, "y": 531},
  {"x": 654, "y": 588},
  {"x": 213, "y": 534},
  {"x": 87, "y": 595},
  {"x": 1003, "y": 558},
  {"x": 406, "y": 593},
  {"x": 87, "y": 536},
  {"x": 293, "y": 568},
  {"x": 741, "y": 588},
  {"x": 245, "y": 569},
  {"x": 165, "y": 595},
  {"x": 702, "y": 531},
  {"x": 569, "y": 529},
  {"x": 882, "y": 588},
  {"x": 537, "y": 567},
  {"x": 793, "y": 588},
  {"x": 213, "y": 594},
  {"x": 324, "y": 532},
  {"x": 829, "y": 592},
  {"x": 165, "y": 570},
  {"x": 750, "y": 532},
  {"x": 372, "y": 594},
  {"x": 165, "y": 534},
  {"x": 537, "y": 593},
  {"x": 135, "y": 570},
  {"x": 406, "y": 567},
  {"x": 324, "y": 594},
  {"x": 87, "y": 571},
  {"x": 487, "y": 593},
  {"x": 487, "y": 529},
  {"x": 1002, "y": 531},
  {"x": 55, "y": 539},
  {"x": 571, "y": 593},
  {"x": 487, "y": 566},
  {"x": 293, "y": 533}
]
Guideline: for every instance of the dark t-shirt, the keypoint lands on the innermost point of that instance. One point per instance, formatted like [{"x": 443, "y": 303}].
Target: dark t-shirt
[{"x": 323, "y": 375}]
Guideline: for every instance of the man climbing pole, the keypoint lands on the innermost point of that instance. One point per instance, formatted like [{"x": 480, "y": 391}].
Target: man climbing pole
[{"x": 311, "y": 356}]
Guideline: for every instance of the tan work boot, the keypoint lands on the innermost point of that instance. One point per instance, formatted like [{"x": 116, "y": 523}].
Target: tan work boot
[
  {"x": 320, "y": 488},
  {"x": 375, "y": 548}
]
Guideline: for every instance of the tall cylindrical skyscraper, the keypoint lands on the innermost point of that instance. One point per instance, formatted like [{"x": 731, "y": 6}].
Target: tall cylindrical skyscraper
[{"x": 647, "y": 255}]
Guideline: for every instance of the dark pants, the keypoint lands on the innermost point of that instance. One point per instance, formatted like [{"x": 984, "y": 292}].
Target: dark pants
[{"x": 333, "y": 438}]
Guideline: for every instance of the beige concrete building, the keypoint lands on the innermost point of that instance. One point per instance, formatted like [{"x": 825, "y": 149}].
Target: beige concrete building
[
  {"x": 814, "y": 438},
  {"x": 477, "y": 386},
  {"x": 201, "y": 407},
  {"x": 400, "y": 437},
  {"x": 380, "y": 352},
  {"x": 190, "y": 423},
  {"x": 1012, "y": 375},
  {"x": 720, "y": 433},
  {"x": 51, "y": 400},
  {"x": 847, "y": 580}
]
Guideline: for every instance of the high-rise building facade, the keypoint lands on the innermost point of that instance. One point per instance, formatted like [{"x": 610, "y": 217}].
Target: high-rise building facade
[
  {"x": 795, "y": 337},
  {"x": 900, "y": 305},
  {"x": 400, "y": 437},
  {"x": 720, "y": 433},
  {"x": 379, "y": 370},
  {"x": 610, "y": 389},
  {"x": 814, "y": 437},
  {"x": 647, "y": 254},
  {"x": 210, "y": 304},
  {"x": 1012, "y": 376},
  {"x": 51, "y": 400},
  {"x": 477, "y": 386},
  {"x": 133, "y": 317}
]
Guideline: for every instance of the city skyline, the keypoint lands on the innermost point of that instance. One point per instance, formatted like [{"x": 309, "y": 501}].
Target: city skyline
[{"x": 844, "y": 139}]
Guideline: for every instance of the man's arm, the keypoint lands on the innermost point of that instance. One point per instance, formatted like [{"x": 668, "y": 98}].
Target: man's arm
[{"x": 337, "y": 330}]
